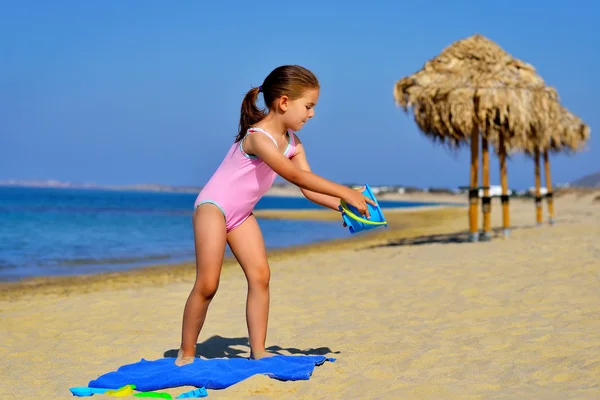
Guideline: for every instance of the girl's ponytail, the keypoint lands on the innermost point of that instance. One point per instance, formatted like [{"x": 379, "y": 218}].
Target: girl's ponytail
[{"x": 250, "y": 113}]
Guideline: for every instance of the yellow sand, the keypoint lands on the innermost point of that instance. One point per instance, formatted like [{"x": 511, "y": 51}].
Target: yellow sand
[{"x": 516, "y": 318}]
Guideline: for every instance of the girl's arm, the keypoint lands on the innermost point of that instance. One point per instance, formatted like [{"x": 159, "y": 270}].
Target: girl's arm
[
  {"x": 265, "y": 149},
  {"x": 300, "y": 161}
]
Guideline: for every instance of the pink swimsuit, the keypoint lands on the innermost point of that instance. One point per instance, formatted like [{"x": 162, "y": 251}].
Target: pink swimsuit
[{"x": 240, "y": 181}]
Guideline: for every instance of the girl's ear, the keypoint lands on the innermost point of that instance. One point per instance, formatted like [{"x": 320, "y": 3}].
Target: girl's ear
[{"x": 283, "y": 103}]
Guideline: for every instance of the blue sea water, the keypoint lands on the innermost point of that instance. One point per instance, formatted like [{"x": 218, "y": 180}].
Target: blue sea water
[{"x": 47, "y": 231}]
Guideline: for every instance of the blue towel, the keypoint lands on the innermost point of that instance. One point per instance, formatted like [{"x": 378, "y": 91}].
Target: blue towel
[{"x": 217, "y": 373}]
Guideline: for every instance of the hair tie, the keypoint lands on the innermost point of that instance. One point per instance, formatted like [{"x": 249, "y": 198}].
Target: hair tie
[{"x": 260, "y": 89}]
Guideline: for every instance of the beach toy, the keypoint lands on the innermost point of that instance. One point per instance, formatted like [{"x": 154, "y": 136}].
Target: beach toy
[
  {"x": 154, "y": 395},
  {"x": 193, "y": 394},
  {"x": 124, "y": 391},
  {"x": 355, "y": 221},
  {"x": 86, "y": 391}
]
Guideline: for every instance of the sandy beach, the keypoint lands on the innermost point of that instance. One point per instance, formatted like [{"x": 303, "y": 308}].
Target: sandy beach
[{"x": 409, "y": 312}]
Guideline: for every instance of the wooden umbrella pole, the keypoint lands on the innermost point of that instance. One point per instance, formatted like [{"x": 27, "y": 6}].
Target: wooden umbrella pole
[
  {"x": 474, "y": 187},
  {"x": 486, "y": 203},
  {"x": 504, "y": 182},
  {"x": 538, "y": 191},
  {"x": 549, "y": 195}
]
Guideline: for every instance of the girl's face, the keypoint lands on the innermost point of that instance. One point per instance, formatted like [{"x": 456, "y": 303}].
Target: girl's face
[{"x": 297, "y": 112}]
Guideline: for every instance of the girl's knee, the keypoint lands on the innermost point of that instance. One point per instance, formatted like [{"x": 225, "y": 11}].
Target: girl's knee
[
  {"x": 260, "y": 277},
  {"x": 206, "y": 290}
]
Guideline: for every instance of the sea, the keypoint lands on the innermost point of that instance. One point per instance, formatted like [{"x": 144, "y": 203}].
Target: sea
[{"x": 65, "y": 231}]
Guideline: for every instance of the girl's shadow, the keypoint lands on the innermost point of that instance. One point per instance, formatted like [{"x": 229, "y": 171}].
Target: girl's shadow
[{"x": 220, "y": 347}]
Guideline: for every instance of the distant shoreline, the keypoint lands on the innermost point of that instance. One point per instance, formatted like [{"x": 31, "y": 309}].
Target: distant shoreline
[
  {"x": 93, "y": 186},
  {"x": 278, "y": 190}
]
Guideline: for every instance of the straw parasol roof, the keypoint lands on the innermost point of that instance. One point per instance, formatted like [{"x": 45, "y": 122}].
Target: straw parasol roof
[
  {"x": 573, "y": 133},
  {"x": 568, "y": 134},
  {"x": 475, "y": 83}
]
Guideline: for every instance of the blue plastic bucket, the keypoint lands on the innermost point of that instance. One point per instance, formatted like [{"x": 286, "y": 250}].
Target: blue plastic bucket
[{"x": 357, "y": 222}]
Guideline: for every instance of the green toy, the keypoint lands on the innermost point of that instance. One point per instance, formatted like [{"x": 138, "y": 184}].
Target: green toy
[{"x": 154, "y": 395}]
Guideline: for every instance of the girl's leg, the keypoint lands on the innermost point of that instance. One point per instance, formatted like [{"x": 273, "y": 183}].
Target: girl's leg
[
  {"x": 247, "y": 244},
  {"x": 210, "y": 237}
]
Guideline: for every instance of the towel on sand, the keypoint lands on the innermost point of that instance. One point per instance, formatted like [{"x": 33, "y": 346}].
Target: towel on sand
[{"x": 217, "y": 373}]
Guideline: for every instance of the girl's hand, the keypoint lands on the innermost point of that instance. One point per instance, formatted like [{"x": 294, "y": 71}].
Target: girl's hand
[{"x": 356, "y": 199}]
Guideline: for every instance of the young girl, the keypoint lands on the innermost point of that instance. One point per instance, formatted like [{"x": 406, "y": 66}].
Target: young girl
[{"x": 265, "y": 146}]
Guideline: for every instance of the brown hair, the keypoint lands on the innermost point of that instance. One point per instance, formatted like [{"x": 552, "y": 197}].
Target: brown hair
[{"x": 288, "y": 80}]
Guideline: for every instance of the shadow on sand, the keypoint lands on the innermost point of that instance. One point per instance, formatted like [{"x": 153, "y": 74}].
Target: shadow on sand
[
  {"x": 447, "y": 238},
  {"x": 219, "y": 347}
]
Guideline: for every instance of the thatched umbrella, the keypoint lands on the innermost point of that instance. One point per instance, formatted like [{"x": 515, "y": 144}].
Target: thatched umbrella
[
  {"x": 572, "y": 134},
  {"x": 472, "y": 88}
]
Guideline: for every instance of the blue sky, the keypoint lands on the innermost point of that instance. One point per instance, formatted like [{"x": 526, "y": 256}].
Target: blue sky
[{"x": 150, "y": 91}]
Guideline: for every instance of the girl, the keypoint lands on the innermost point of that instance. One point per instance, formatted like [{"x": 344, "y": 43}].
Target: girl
[{"x": 265, "y": 146}]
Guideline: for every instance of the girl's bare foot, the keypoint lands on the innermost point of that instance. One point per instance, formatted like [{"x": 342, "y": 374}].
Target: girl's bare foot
[{"x": 183, "y": 360}]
